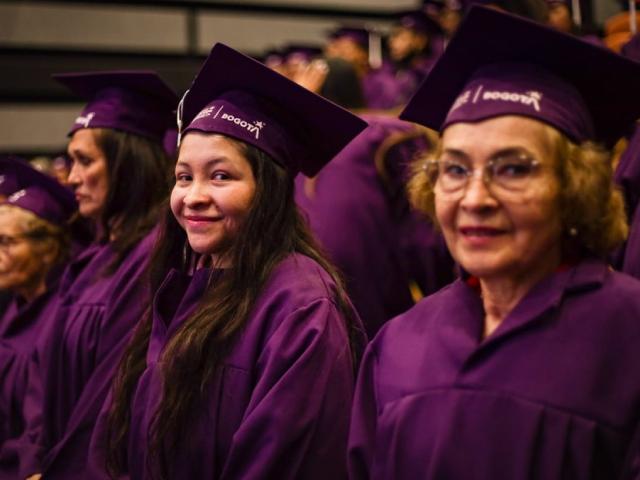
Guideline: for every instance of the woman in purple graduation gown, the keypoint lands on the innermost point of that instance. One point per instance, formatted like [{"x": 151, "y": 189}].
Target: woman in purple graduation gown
[
  {"x": 35, "y": 244},
  {"x": 523, "y": 368},
  {"x": 120, "y": 175},
  {"x": 244, "y": 366}
]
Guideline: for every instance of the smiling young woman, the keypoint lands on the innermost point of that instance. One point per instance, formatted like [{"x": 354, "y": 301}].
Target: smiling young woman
[{"x": 244, "y": 365}]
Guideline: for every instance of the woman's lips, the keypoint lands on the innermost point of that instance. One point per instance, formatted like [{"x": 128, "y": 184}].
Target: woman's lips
[
  {"x": 195, "y": 221},
  {"x": 480, "y": 231},
  {"x": 480, "y": 236}
]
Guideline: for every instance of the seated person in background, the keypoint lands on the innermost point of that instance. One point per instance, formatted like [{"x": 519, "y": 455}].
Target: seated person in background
[
  {"x": 627, "y": 175},
  {"x": 524, "y": 367},
  {"x": 35, "y": 244},
  {"x": 120, "y": 175},
  {"x": 414, "y": 45},
  {"x": 358, "y": 210}
]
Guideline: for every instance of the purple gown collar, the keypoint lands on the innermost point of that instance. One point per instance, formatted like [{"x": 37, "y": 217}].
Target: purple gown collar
[
  {"x": 173, "y": 303},
  {"x": 461, "y": 313}
]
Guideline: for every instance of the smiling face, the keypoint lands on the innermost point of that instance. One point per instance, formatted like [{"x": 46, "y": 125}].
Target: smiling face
[
  {"x": 88, "y": 176},
  {"x": 495, "y": 233},
  {"x": 213, "y": 193}
]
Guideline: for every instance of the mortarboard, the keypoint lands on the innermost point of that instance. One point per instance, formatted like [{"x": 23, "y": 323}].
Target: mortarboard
[
  {"x": 419, "y": 22},
  {"x": 501, "y": 64},
  {"x": 359, "y": 35},
  {"x": 135, "y": 101},
  {"x": 273, "y": 58},
  {"x": 237, "y": 96},
  {"x": 37, "y": 192},
  {"x": 8, "y": 180},
  {"x": 301, "y": 53}
]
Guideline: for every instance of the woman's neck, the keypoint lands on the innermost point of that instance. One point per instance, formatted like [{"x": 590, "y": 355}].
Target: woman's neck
[{"x": 500, "y": 294}]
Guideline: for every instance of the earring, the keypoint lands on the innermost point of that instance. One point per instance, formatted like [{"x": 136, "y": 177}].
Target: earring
[{"x": 573, "y": 231}]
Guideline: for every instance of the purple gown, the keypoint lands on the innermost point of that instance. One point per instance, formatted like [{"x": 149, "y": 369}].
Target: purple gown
[
  {"x": 390, "y": 87},
  {"x": 71, "y": 375},
  {"x": 627, "y": 258},
  {"x": 367, "y": 228},
  {"x": 280, "y": 405},
  {"x": 552, "y": 394},
  {"x": 20, "y": 327}
]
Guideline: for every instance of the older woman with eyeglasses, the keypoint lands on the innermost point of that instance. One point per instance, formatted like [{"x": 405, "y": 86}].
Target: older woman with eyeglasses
[
  {"x": 35, "y": 243},
  {"x": 519, "y": 369}
]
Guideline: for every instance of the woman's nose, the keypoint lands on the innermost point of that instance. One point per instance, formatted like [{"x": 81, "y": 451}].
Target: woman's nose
[
  {"x": 196, "y": 194},
  {"x": 74, "y": 177},
  {"x": 477, "y": 193}
]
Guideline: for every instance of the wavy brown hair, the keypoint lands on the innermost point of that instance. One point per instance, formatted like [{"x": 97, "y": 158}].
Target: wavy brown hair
[
  {"x": 272, "y": 230},
  {"x": 591, "y": 205},
  {"x": 140, "y": 173}
]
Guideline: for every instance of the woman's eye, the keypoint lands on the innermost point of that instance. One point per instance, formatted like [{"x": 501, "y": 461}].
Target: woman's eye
[
  {"x": 84, "y": 161},
  {"x": 183, "y": 177},
  {"x": 452, "y": 169},
  {"x": 512, "y": 169},
  {"x": 220, "y": 176}
]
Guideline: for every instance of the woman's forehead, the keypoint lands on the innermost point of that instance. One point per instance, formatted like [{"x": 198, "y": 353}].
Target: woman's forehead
[
  {"x": 496, "y": 134},
  {"x": 13, "y": 218}
]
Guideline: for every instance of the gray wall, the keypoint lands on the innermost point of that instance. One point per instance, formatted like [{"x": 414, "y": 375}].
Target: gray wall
[{"x": 32, "y": 124}]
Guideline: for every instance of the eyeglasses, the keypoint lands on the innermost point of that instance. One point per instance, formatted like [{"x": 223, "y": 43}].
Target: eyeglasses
[
  {"x": 7, "y": 241},
  {"x": 511, "y": 172}
]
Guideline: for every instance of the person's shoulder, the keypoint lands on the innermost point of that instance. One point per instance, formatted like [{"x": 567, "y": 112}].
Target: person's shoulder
[
  {"x": 299, "y": 294},
  {"x": 622, "y": 287},
  {"x": 417, "y": 322},
  {"x": 300, "y": 277}
]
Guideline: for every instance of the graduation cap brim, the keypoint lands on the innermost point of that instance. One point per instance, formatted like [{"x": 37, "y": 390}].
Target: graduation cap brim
[
  {"x": 145, "y": 82},
  {"x": 606, "y": 81},
  {"x": 325, "y": 126}
]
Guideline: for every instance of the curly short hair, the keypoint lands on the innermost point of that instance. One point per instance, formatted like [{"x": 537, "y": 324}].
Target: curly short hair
[
  {"x": 591, "y": 205},
  {"x": 46, "y": 238}
]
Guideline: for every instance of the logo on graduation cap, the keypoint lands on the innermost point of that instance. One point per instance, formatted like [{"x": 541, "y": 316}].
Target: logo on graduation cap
[
  {"x": 86, "y": 119},
  {"x": 530, "y": 98},
  {"x": 255, "y": 127},
  {"x": 17, "y": 196}
]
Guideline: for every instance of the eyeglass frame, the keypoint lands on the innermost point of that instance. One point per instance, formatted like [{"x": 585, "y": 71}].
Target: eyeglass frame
[
  {"x": 488, "y": 173},
  {"x": 15, "y": 239}
]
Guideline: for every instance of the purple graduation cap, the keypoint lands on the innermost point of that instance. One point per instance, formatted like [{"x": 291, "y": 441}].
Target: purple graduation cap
[
  {"x": 134, "y": 101},
  {"x": 237, "y": 96},
  {"x": 359, "y": 35},
  {"x": 273, "y": 57},
  {"x": 500, "y": 64},
  {"x": 37, "y": 192},
  {"x": 418, "y": 21},
  {"x": 302, "y": 53},
  {"x": 8, "y": 180}
]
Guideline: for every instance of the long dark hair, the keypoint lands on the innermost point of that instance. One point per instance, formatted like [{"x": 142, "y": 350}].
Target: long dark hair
[
  {"x": 139, "y": 181},
  {"x": 272, "y": 230}
]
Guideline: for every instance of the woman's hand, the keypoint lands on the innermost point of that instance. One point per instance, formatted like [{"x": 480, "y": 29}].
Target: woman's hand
[{"x": 312, "y": 76}]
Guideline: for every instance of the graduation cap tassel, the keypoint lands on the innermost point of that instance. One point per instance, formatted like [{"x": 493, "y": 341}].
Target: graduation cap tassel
[
  {"x": 375, "y": 49},
  {"x": 577, "y": 14},
  {"x": 633, "y": 21},
  {"x": 179, "y": 117}
]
